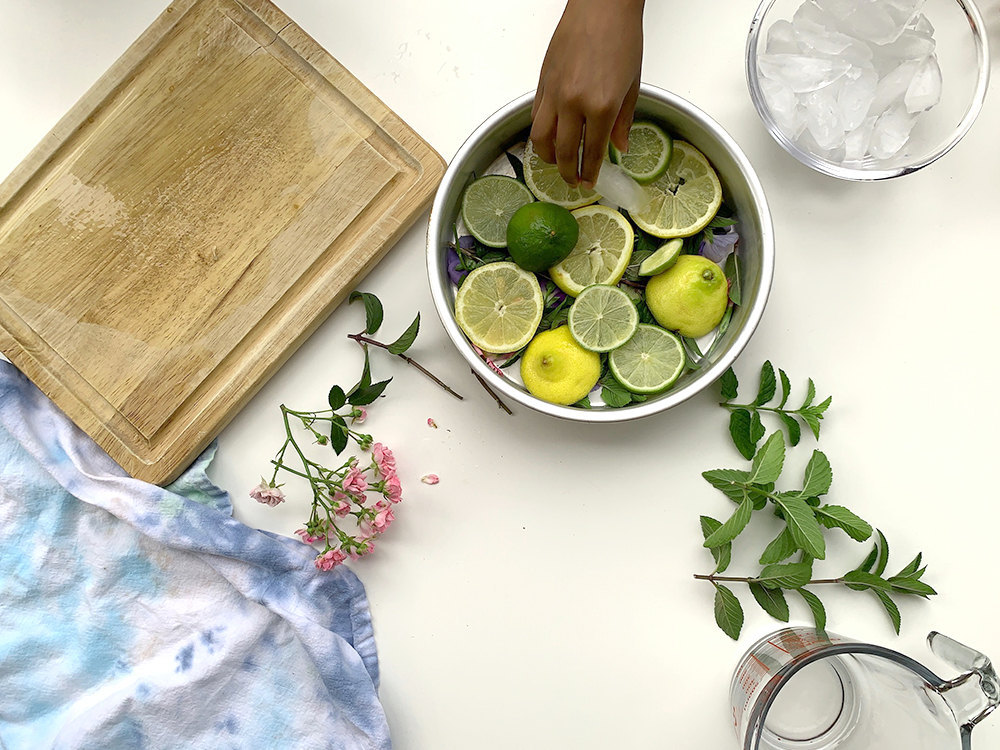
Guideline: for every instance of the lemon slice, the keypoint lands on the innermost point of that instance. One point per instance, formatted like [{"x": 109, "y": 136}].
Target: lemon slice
[
  {"x": 602, "y": 318},
  {"x": 603, "y": 250},
  {"x": 684, "y": 199},
  {"x": 499, "y": 307},
  {"x": 489, "y": 203},
  {"x": 649, "y": 150},
  {"x": 651, "y": 361},
  {"x": 548, "y": 185}
]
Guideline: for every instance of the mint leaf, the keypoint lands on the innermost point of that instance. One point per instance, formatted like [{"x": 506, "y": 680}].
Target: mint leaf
[
  {"x": 767, "y": 384},
  {"x": 812, "y": 421},
  {"x": 890, "y": 608},
  {"x": 867, "y": 580},
  {"x": 756, "y": 428},
  {"x": 810, "y": 394},
  {"x": 780, "y": 548},
  {"x": 816, "y": 607},
  {"x": 336, "y": 397},
  {"x": 405, "y": 341},
  {"x": 785, "y": 575},
  {"x": 732, "y": 271},
  {"x": 614, "y": 394},
  {"x": 883, "y": 555},
  {"x": 373, "y": 310},
  {"x": 837, "y": 516},
  {"x": 794, "y": 431},
  {"x": 728, "y": 612},
  {"x": 771, "y": 601},
  {"x": 786, "y": 388},
  {"x": 803, "y": 525},
  {"x": 724, "y": 552},
  {"x": 732, "y": 527},
  {"x": 912, "y": 568},
  {"x": 818, "y": 477},
  {"x": 730, "y": 385},
  {"x": 768, "y": 461},
  {"x": 729, "y": 481},
  {"x": 911, "y": 586},
  {"x": 739, "y": 430}
]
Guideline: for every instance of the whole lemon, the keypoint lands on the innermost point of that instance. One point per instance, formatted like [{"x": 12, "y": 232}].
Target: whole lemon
[
  {"x": 690, "y": 297},
  {"x": 557, "y": 369},
  {"x": 540, "y": 235}
]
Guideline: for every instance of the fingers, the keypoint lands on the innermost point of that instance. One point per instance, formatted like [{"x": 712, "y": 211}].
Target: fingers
[
  {"x": 619, "y": 133},
  {"x": 543, "y": 131},
  {"x": 595, "y": 145},
  {"x": 569, "y": 131}
]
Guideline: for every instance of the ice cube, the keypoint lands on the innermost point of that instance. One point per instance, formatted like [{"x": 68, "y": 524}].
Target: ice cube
[
  {"x": 826, "y": 13},
  {"x": 857, "y": 92},
  {"x": 823, "y": 118},
  {"x": 801, "y": 73},
  {"x": 891, "y": 132},
  {"x": 781, "y": 38},
  {"x": 857, "y": 141},
  {"x": 920, "y": 25},
  {"x": 924, "y": 90},
  {"x": 911, "y": 45},
  {"x": 873, "y": 21},
  {"x": 615, "y": 184},
  {"x": 893, "y": 86},
  {"x": 825, "y": 41},
  {"x": 784, "y": 107}
]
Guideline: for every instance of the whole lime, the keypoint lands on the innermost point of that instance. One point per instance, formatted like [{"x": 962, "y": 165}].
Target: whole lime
[
  {"x": 557, "y": 369},
  {"x": 541, "y": 234},
  {"x": 690, "y": 297}
]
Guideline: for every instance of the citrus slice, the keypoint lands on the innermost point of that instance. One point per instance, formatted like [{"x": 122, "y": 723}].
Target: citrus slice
[
  {"x": 487, "y": 205},
  {"x": 602, "y": 251},
  {"x": 684, "y": 198},
  {"x": 650, "y": 361},
  {"x": 548, "y": 185},
  {"x": 662, "y": 258},
  {"x": 602, "y": 318},
  {"x": 499, "y": 307},
  {"x": 649, "y": 149}
]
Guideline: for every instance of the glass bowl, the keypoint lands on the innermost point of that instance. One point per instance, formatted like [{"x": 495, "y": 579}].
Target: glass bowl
[
  {"x": 741, "y": 191},
  {"x": 867, "y": 89}
]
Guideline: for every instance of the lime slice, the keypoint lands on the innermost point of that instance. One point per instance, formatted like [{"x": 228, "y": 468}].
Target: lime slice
[
  {"x": 662, "y": 258},
  {"x": 548, "y": 185},
  {"x": 649, "y": 362},
  {"x": 602, "y": 250},
  {"x": 499, "y": 307},
  {"x": 488, "y": 204},
  {"x": 649, "y": 150},
  {"x": 684, "y": 199},
  {"x": 602, "y": 318}
]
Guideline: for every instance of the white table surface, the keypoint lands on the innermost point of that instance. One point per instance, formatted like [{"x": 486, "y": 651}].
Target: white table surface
[{"x": 541, "y": 595}]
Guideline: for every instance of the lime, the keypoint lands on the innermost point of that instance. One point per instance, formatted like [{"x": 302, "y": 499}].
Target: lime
[
  {"x": 557, "y": 369},
  {"x": 662, "y": 258},
  {"x": 602, "y": 251},
  {"x": 602, "y": 318},
  {"x": 499, "y": 307},
  {"x": 548, "y": 185},
  {"x": 690, "y": 297},
  {"x": 684, "y": 198},
  {"x": 649, "y": 150},
  {"x": 651, "y": 361},
  {"x": 488, "y": 204},
  {"x": 540, "y": 235}
]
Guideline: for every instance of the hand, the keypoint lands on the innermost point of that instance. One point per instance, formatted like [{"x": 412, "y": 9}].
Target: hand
[{"x": 588, "y": 86}]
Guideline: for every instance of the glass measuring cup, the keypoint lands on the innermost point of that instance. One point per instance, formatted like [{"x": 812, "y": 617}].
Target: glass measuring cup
[{"x": 800, "y": 689}]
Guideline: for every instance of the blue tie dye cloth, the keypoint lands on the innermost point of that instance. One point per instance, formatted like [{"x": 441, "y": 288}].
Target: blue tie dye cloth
[{"x": 134, "y": 616}]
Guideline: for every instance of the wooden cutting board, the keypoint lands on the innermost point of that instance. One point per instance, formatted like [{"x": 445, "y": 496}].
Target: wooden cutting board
[{"x": 191, "y": 221}]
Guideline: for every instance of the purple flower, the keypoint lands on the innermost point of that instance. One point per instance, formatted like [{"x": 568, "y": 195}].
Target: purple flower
[
  {"x": 454, "y": 272},
  {"x": 722, "y": 245}
]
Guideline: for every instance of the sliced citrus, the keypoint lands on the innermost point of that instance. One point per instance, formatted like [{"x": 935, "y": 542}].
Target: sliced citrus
[
  {"x": 662, "y": 258},
  {"x": 499, "y": 307},
  {"x": 602, "y": 318},
  {"x": 649, "y": 149},
  {"x": 684, "y": 199},
  {"x": 650, "y": 361},
  {"x": 548, "y": 185},
  {"x": 602, "y": 250},
  {"x": 487, "y": 205}
]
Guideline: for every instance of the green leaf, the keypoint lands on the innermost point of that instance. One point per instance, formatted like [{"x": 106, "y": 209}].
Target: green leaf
[
  {"x": 883, "y": 555},
  {"x": 786, "y": 388},
  {"x": 767, "y": 384},
  {"x": 730, "y": 385},
  {"x": 794, "y": 431},
  {"x": 732, "y": 271},
  {"x": 405, "y": 341},
  {"x": 810, "y": 394},
  {"x": 803, "y": 525},
  {"x": 785, "y": 575},
  {"x": 338, "y": 434},
  {"x": 739, "y": 430},
  {"x": 818, "y": 409},
  {"x": 812, "y": 421},
  {"x": 728, "y": 612},
  {"x": 584, "y": 403},
  {"x": 816, "y": 607},
  {"x": 890, "y": 608},
  {"x": 615, "y": 394},
  {"x": 723, "y": 554},
  {"x": 911, "y": 586},
  {"x": 771, "y": 601},
  {"x": 366, "y": 376},
  {"x": 768, "y": 461},
  {"x": 867, "y": 580},
  {"x": 373, "y": 310},
  {"x": 837, "y": 516},
  {"x": 865, "y": 566},
  {"x": 780, "y": 548},
  {"x": 912, "y": 568},
  {"x": 732, "y": 527},
  {"x": 818, "y": 476},
  {"x": 719, "y": 222},
  {"x": 756, "y": 428},
  {"x": 336, "y": 397},
  {"x": 729, "y": 481},
  {"x": 365, "y": 396}
]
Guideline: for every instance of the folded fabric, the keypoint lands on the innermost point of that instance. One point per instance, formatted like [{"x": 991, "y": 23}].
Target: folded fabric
[{"x": 135, "y": 616}]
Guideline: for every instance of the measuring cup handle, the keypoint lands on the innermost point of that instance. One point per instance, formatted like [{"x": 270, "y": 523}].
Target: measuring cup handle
[{"x": 971, "y": 663}]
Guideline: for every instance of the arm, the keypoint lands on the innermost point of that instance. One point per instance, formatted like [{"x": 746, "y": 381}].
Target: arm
[{"x": 588, "y": 86}]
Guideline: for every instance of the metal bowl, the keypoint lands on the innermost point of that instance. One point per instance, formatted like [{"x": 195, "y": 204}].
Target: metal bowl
[{"x": 741, "y": 190}]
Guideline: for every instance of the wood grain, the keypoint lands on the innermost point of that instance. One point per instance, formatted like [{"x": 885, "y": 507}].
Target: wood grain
[{"x": 192, "y": 220}]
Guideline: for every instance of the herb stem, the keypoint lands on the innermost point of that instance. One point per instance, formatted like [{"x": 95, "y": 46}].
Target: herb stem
[
  {"x": 484, "y": 384},
  {"x": 742, "y": 579},
  {"x": 362, "y": 339}
]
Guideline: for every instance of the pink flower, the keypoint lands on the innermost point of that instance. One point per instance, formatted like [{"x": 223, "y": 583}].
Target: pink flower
[
  {"x": 360, "y": 415},
  {"x": 431, "y": 423},
  {"x": 267, "y": 494},
  {"x": 341, "y": 507},
  {"x": 330, "y": 559},
  {"x": 383, "y": 518},
  {"x": 365, "y": 547},
  {"x": 384, "y": 459},
  {"x": 307, "y": 537},
  {"x": 430, "y": 479},
  {"x": 355, "y": 482},
  {"x": 393, "y": 489}
]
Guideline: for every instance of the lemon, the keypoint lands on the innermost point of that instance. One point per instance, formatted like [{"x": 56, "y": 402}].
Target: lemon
[
  {"x": 602, "y": 318},
  {"x": 499, "y": 307},
  {"x": 541, "y": 234},
  {"x": 690, "y": 297},
  {"x": 548, "y": 185},
  {"x": 684, "y": 199},
  {"x": 651, "y": 361},
  {"x": 649, "y": 150},
  {"x": 602, "y": 251},
  {"x": 664, "y": 257},
  {"x": 557, "y": 369},
  {"x": 489, "y": 203}
]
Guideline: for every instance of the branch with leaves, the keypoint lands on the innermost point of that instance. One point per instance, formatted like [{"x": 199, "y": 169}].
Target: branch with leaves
[{"x": 804, "y": 516}]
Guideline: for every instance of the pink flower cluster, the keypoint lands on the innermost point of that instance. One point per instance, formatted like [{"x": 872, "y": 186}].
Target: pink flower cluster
[{"x": 267, "y": 493}]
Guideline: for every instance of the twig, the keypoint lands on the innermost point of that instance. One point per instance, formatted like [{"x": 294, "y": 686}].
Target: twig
[
  {"x": 361, "y": 339},
  {"x": 490, "y": 391},
  {"x": 741, "y": 579}
]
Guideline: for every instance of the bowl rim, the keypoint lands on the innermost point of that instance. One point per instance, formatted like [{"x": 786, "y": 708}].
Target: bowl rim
[
  {"x": 670, "y": 398},
  {"x": 839, "y": 171}
]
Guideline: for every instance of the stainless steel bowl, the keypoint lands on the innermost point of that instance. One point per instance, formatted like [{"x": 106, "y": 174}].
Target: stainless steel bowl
[{"x": 742, "y": 191}]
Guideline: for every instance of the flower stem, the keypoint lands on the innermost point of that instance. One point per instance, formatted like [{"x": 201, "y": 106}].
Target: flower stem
[
  {"x": 484, "y": 384},
  {"x": 362, "y": 339}
]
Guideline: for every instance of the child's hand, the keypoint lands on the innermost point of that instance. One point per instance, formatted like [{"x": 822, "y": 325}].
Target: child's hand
[{"x": 588, "y": 86}]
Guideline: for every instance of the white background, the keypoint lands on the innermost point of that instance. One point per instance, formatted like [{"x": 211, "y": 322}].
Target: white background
[{"x": 541, "y": 595}]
